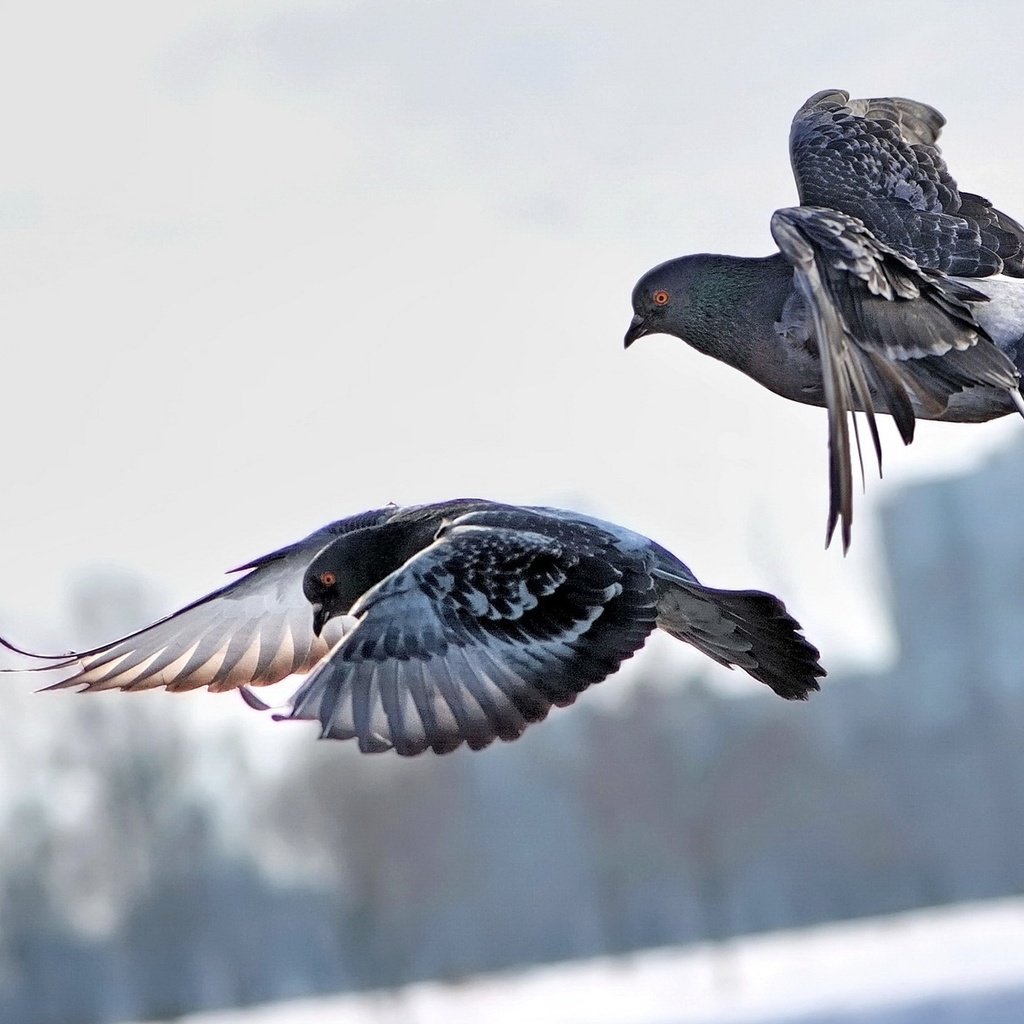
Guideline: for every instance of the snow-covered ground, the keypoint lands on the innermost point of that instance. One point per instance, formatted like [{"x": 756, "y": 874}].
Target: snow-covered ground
[{"x": 955, "y": 965}]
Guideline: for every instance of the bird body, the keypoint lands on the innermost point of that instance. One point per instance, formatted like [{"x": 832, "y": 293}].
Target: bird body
[
  {"x": 769, "y": 332},
  {"x": 463, "y": 621},
  {"x": 892, "y": 291}
]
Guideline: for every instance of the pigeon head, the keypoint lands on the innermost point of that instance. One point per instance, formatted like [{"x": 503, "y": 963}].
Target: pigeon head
[
  {"x": 663, "y": 296},
  {"x": 328, "y": 590},
  {"x": 341, "y": 574},
  {"x": 690, "y": 298},
  {"x": 357, "y": 561}
]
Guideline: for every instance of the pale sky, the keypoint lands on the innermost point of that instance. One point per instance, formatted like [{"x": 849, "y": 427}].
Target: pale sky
[{"x": 267, "y": 264}]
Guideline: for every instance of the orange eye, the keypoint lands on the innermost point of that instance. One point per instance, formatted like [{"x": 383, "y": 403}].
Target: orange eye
[
  {"x": 328, "y": 579},
  {"x": 660, "y": 297}
]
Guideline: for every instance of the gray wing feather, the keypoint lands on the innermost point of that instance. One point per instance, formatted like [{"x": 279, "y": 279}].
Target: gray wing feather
[
  {"x": 919, "y": 124},
  {"x": 497, "y": 626},
  {"x": 887, "y": 332},
  {"x": 254, "y": 631},
  {"x": 877, "y": 160}
]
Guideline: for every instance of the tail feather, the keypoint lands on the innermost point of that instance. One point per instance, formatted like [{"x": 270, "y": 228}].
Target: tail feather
[{"x": 746, "y": 629}]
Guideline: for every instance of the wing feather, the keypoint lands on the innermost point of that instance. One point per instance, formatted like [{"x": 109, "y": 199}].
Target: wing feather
[
  {"x": 256, "y": 630},
  {"x": 881, "y": 324},
  {"x": 877, "y": 160},
  {"x": 497, "y": 625}
]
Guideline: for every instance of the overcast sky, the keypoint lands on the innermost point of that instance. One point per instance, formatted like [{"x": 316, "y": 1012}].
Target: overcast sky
[{"x": 267, "y": 264}]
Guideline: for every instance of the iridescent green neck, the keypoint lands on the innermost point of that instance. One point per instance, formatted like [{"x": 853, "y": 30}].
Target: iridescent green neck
[{"x": 733, "y": 304}]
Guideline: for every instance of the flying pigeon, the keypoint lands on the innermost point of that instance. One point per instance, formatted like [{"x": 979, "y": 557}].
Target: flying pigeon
[
  {"x": 892, "y": 291},
  {"x": 461, "y": 622}
]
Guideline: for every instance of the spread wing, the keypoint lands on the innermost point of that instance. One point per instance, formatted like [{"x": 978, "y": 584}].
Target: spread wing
[
  {"x": 745, "y": 629},
  {"x": 255, "y": 631},
  {"x": 877, "y": 160},
  {"x": 474, "y": 638},
  {"x": 887, "y": 331}
]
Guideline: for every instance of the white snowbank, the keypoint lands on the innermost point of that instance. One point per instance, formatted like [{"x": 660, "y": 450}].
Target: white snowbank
[{"x": 845, "y": 969}]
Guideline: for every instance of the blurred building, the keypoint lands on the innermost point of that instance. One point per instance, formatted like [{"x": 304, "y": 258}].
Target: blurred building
[{"x": 955, "y": 558}]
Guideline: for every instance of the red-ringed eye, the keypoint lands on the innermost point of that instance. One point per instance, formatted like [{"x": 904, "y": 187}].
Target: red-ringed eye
[
  {"x": 660, "y": 297},
  {"x": 328, "y": 579}
]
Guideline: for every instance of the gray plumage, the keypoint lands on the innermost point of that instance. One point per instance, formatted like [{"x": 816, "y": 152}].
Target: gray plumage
[
  {"x": 892, "y": 291},
  {"x": 464, "y": 622}
]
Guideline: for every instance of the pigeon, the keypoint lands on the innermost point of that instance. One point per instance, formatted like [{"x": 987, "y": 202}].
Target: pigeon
[
  {"x": 459, "y": 622},
  {"x": 892, "y": 291}
]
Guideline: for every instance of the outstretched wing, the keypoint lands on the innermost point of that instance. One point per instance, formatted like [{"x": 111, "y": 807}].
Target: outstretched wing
[
  {"x": 255, "y": 631},
  {"x": 745, "y": 629},
  {"x": 886, "y": 331},
  {"x": 474, "y": 638},
  {"x": 877, "y": 160}
]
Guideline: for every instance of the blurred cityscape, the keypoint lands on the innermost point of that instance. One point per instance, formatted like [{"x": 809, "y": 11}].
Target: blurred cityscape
[{"x": 147, "y": 871}]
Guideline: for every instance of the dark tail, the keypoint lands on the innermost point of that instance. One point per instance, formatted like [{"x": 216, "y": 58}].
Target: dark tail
[{"x": 747, "y": 629}]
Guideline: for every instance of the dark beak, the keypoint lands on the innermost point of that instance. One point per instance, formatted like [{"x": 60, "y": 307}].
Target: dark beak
[
  {"x": 637, "y": 329},
  {"x": 320, "y": 617}
]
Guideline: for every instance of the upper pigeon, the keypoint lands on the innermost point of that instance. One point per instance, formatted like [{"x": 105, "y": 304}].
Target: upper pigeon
[{"x": 892, "y": 291}]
